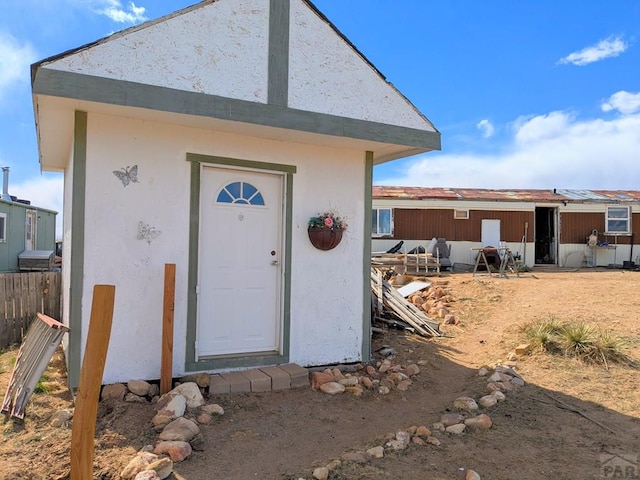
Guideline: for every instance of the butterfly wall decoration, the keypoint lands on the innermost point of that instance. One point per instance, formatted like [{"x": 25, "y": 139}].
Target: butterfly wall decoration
[
  {"x": 127, "y": 175},
  {"x": 147, "y": 232}
]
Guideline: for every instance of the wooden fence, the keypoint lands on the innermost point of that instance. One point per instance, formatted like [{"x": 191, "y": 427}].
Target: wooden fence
[{"x": 22, "y": 296}]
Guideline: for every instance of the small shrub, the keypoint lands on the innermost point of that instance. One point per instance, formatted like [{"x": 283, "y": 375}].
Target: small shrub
[
  {"x": 578, "y": 340},
  {"x": 543, "y": 334},
  {"x": 612, "y": 348}
]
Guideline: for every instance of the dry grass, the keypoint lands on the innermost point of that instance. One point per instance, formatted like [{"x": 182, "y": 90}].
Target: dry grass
[{"x": 591, "y": 344}]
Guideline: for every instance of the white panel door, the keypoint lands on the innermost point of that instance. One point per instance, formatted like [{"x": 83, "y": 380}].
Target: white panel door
[
  {"x": 490, "y": 235},
  {"x": 240, "y": 262}
]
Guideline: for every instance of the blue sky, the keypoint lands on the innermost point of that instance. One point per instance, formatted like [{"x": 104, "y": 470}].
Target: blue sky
[{"x": 526, "y": 94}]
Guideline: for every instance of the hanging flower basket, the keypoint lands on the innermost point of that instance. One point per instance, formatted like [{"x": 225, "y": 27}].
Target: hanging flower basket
[
  {"x": 325, "y": 238},
  {"x": 325, "y": 230}
]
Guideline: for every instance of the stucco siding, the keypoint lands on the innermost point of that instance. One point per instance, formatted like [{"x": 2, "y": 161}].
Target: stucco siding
[
  {"x": 326, "y": 316},
  {"x": 220, "y": 49},
  {"x": 326, "y": 75}
]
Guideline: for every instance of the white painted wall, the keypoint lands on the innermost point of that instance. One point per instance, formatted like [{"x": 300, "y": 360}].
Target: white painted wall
[
  {"x": 220, "y": 49},
  {"x": 66, "y": 245},
  {"x": 599, "y": 256},
  {"x": 461, "y": 252},
  {"x": 326, "y": 75},
  {"x": 326, "y": 295}
]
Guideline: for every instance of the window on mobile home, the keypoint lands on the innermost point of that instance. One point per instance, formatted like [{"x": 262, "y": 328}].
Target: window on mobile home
[
  {"x": 618, "y": 220},
  {"x": 461, "y": 214},
  {"x": 381, "y": 222},
  {"x": 3, "y": 227}
]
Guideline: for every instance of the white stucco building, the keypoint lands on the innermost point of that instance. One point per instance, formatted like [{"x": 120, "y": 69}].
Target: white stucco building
[{"x": 207, "y": 139}]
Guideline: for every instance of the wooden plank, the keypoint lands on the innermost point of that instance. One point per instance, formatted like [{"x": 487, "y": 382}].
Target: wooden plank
[
  {"x": 405, "y": 314},
  {"x": 44, "y": 293},
  {"x": 21, "y": 290},
  {"x": 11, "y": 307},
  {"x": 417, "y": 315},
  {"x": 14, "y": 291},
  {"x": 32, "y": 306},
  {"x": 24, "y": 312},
  {"x": 95, "y": 355},
  {"x": 168, "y": 306},
  {"x": 4, "y": 322},
  {"x": 53, "y": 295},
  {"x": 22, "y": 296},
  {"x": 403, "y": 309}
]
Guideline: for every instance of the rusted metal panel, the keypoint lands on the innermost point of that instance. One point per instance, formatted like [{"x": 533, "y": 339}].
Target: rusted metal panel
[
  {"x": 413, "y": 193},
  {"x": 507, "y": 195},
  {"x": 510, "y": 195}
]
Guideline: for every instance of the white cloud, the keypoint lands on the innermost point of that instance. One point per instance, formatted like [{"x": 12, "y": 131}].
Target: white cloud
[
  {"x": 486, "y": 127},
  {"x": 44, "y": 192},
  {"x": 622, "y": 101},
  {"x": 541, "y": 127},
  {"x": 609, "y": 47},
  {"x": 555, "y": 150},
  {"x": 15, "y": 60},
  {"x": 114, "y": 10}
]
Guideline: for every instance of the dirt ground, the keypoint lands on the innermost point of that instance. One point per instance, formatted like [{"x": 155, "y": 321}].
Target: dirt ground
[{"x": 284, "y": 435}]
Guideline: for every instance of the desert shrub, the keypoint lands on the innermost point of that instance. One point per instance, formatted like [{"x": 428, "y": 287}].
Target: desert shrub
[
  {"x": 543, "y": 334},
  {"x": 579, "y": 340},
  {"x": 613, "y": 348},
  {"x": 585, "y": 342}
]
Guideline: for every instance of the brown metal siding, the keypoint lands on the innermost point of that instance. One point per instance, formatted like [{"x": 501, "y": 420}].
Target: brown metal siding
[
  {"x": 576, "y": 227},
  {"x": 423, "y": 224}
]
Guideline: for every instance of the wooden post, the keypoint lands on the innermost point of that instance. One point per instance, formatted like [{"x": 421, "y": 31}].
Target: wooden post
[
  {"x": 95, "y": 355},
  {"x": 166, "y": 367}
]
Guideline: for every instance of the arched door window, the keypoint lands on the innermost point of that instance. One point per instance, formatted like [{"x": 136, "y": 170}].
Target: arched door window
[{"x": 240, "y": 192}]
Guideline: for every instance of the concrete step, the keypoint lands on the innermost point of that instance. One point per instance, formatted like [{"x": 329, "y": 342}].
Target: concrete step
[{"x": 265, "y": 379}]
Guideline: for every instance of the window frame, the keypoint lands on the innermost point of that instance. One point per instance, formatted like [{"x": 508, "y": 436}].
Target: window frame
[
  {"x": 229, "y": 196},
  {"x": 3, "y": 228},
  {"x": 461, "y": 214},
  {"x": 377, "y": 233},
  {"x": 611, "y": 218}
]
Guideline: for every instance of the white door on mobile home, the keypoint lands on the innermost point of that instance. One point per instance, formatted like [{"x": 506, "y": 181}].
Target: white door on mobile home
[
  {"x": 240, "y": 262},
  {"x": 490, "y": 233}
]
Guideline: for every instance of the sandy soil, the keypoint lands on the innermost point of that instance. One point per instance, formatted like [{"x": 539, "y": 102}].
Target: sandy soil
[{"x": 284, "y": 435}]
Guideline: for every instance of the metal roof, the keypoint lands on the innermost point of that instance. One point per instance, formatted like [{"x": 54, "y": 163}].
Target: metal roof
[{"x": 511, "y": 195}]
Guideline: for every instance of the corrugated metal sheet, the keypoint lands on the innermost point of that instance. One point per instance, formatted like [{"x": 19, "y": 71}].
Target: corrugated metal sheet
[
  {"x": 620, "y": 195},
  {"x": 584, "y": 195},
  {"x": 414, "y": 193},
  {"x": 509, "y": 195},
  {"x": 42, "y": 338},
  {"x": 512, "y": 195}
]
